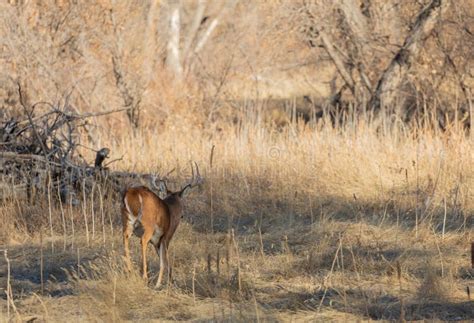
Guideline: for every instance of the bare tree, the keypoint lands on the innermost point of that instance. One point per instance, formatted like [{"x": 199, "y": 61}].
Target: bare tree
[
  {"x": 317, "y": 33},
  {"x": 130, "y": 91},
  {"x": 357, "y": 53},
  {"x": 392, "y": 78},
  {"x": 180, "y": 56}
]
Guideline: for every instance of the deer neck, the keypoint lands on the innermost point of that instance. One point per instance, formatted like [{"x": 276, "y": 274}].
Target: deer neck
[{"x": 175, "y": 208}]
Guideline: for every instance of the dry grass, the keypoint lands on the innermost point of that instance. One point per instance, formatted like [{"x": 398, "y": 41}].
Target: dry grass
[
  {"x": 371, "y": 219},
  {"x": 308, "y": 222}
]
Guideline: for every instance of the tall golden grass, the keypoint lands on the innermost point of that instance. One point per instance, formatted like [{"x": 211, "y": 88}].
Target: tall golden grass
[
  {"x": 308, "y": 221},
  {"x": 306, "y": 165}
]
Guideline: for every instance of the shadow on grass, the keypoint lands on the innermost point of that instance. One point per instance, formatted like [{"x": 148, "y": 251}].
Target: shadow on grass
[
  {"x": 266, "y": 214},
  {"x": 25, "y": 270},
  {"x": 359, "y": 302}
]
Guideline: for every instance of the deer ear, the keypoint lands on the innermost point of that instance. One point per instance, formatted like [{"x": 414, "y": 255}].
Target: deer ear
[{"x": 185, "y": 191}]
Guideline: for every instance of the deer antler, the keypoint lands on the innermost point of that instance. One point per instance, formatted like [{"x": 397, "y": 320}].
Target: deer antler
[
  {"x": 196, "y": 180},
  {"x": 153, "y": 179},
  {"x": 163, "y": 180}
]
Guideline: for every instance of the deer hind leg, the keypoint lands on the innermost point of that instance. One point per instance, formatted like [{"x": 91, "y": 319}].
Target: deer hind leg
[
  {"x": 163, "y": 251},
  {"x": 127, "y": 232},
  {"x": 129, "y": 225},
  {"x": 144, "y": 242}
]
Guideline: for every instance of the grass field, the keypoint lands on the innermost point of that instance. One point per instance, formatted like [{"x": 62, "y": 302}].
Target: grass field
[
  {"x": 364, "y": 214},
  {"x": 304, "y": 223}
]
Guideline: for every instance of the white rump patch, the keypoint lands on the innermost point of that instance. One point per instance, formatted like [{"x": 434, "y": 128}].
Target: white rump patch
[{"x": 133, "y": 220}]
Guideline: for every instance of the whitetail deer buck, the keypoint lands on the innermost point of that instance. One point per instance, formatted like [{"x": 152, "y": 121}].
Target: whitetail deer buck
[{"x": 153, "y": 219}]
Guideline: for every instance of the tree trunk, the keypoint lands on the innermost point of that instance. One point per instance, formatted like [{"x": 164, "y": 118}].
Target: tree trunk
[
  {"x": 393, "y": 77},
  {"x": 361, "y": 51},
  {"x": 149, "y": 42},
  {"x": 356, "y": 21},
  {"x": 173, "y": 57},
  {"x": 337, "y": 60},
  {"x": 317, "y": 32},
  {"x": 193, "y": 31}
]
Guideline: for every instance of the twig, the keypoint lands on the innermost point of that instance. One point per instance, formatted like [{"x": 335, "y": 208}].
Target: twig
[
  {"x": 33, "y": 126},
  {"x": 114, "y": 160},
  {"x": 16, "y": 156},
  {"x": 8, "y": 291},
  {"x": 42, "y": 305},
  {"x": 330, "y": 272},
  {"x": 69, "y": 116},
  {"x": 98, "y": 114},
  {"x": 41, "y": 262}
]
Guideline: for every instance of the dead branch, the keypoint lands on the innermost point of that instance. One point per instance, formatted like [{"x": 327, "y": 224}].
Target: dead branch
[
  {"x": 40, "y": 153},
  {"x": 317, "y": 32}
]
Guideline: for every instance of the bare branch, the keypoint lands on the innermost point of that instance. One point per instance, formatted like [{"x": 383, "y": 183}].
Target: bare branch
[
  {"x": 192, "y": 33},
  {"x": 228, "y": 7}
]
